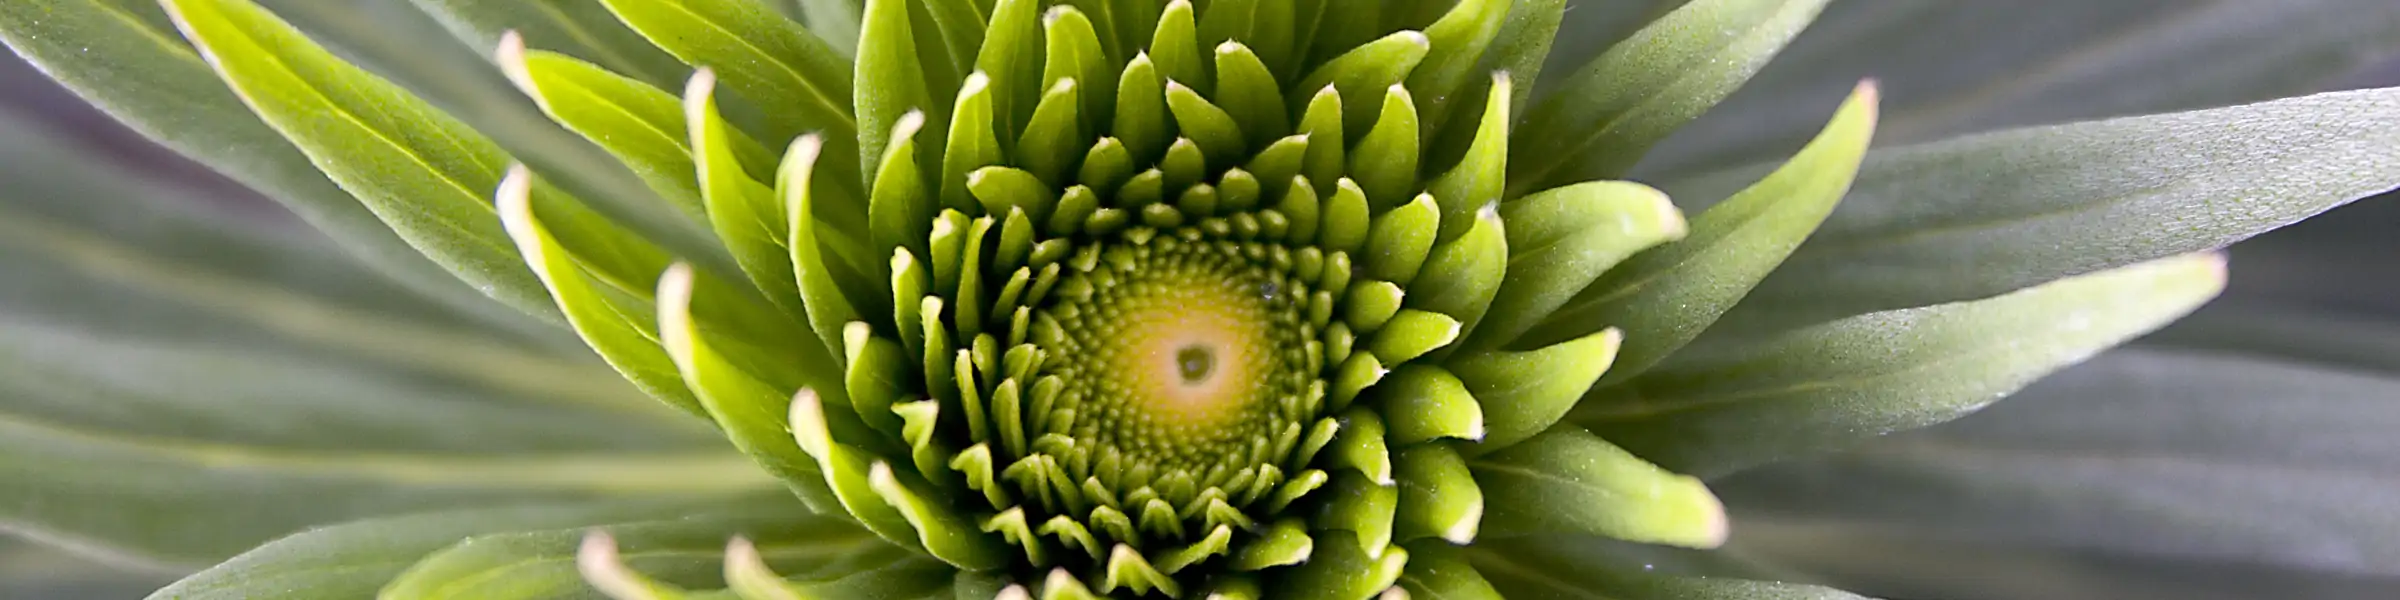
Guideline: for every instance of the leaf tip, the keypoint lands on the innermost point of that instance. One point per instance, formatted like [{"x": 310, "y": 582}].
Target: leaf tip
[{"x": 597, "y": 560}]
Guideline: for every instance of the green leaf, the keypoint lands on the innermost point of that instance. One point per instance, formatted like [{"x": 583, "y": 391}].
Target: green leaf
[
  {"x": 640, "y": 124},
  {"x": 426, "y": 175},
  {"x": 125, "y": 57},
  {"x": 1984, "y": 215},
  {"x": 1439, "y": 571},
  {"x": 579, "y": 28},
  {"x": 1457, "y": 44},
  {"x": 1664, "y": 298},
  {"x": 399, "y": 43},
  {"x": 2144, "y": 474},
  {"x": 356, "y": 560},
  {"x": 1364, "y": 75},
  {"x": 1723, "y": 407},
  {"x": 1962, "y": 68},
  {"x": 1567, "y": 480},
  {"x": 769, "y": 60},
  {"x": 1563, "y": 567},
  {"x": 893, "y": 82},
  {"x": 1647, "y": 86},
  {"x": 620, "y": 327},
  {"x": 744, "y": 212},
  {"x": 1523, "y": 393},
  {"x": 751, "y": 407},
  {"x": 1560, "y": 240},
  {"x": 1515, "y": 57}
]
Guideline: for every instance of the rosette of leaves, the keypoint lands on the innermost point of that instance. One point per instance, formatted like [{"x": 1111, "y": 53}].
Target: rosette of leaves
[{"x": 1132, "y": 298}]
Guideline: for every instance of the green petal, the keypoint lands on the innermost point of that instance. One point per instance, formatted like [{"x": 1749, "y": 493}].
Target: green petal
[
  {"x": 1524, "y": 393},
  {"x": 1072, "y": 51},
  {"x": 1663, "y": 299},
  {"x": 616, "y": 326},
  {"x": 1339, "y": 569},
  {"x": 1175, "y": 46},
  {"x": 1439, "y": 571},
  {"x": 1724, "y": 407},
  {"x": 1476, "y": 180},
  {"x": 1011, "y": 57},
  {"x": 1366, "y": 73},
  {"x": 412, "y": 50},
  {"x": 643, "y": 126},
  {"x": 803, "y": 83},
  {"x": 1438, "y": 497},
  {"x": 894, "y": 79},
  {"x": 744, "y": 212},
  {"x": 752, "y": 412},
  {"x": 1399, "y": 241},
  {"x": 1456, "y": 44},
  {"x": 1570, "y": 481},
  {"x": 1056, "y": 135},
  {"x": 1208, "y": 126},
  {"x": 1421, "y": 404},
  {"x": 1462, "y": 276},
  {"x": 1560, "y": 241},
  {"x": 1385, "y": 162},
  {"x": 1251, "y": 94},
  {"x": 379, "y": 149},
  {"x": 1647, "y": 86}
]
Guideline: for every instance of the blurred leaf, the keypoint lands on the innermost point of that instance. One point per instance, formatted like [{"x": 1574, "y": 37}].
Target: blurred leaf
[
  {"x": 125, "y": 57},
  {"x": 1567, "y": 567},
  {"x": 2145, "y": 474},
  {"x": 402, "y": 44},
  {"x": 33, "y": 570},
  {"x": 91, "y": 248},
  {"x": 583, "y": 29},
  {"x": 1983, "y": 215},
  {"x": 681, "y": 549},
  {"x": 1665, "y": 297},
  {"x": 2284, "y": 334},
  {"x": 354, "y": 560},
  {"x": 1953, "y": 68},
  {"x": 1611, "y": 111},
  {"x": 1723, "y": 407},
  {"x": 834, "y": 20},
  {"x": 183, "y": 454},
  {"x": 178, "y": 384}
]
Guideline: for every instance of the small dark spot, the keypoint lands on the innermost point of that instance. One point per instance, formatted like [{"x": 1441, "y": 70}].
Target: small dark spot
[{"x": 1195, "y": 362}]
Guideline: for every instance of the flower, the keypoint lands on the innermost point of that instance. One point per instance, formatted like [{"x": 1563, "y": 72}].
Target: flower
[{"x": 1143, "y": 299}]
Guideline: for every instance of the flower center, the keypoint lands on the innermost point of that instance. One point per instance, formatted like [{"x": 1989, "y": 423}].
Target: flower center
[{"x": 1177, "y": 358}]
